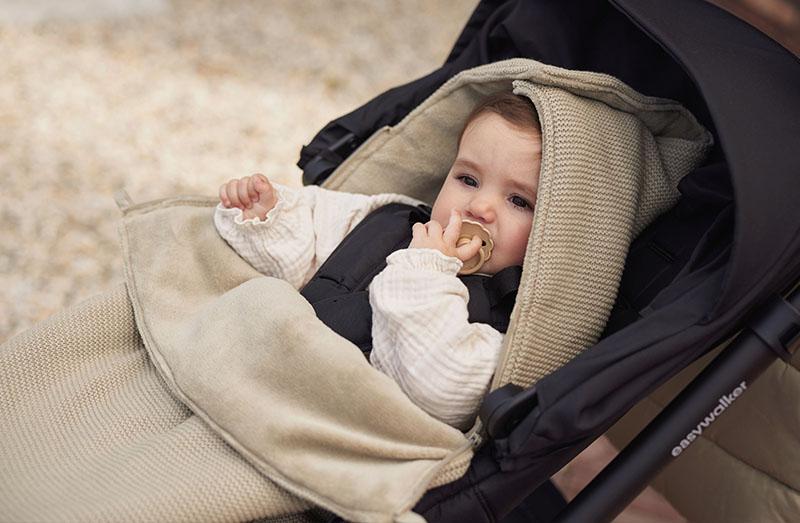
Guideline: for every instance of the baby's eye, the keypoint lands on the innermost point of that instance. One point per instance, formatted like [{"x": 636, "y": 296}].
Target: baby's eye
[
  {"x": 520, "y": 202},
  {"x": 467, "y": 180}
]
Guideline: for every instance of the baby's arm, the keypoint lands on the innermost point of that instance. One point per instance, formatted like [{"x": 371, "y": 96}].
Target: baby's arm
[
  {"x": 422, "y": 337},
  {"x": 421, "y": 333},
  {"x": 269, "y": 225},
  {"x": 285, "y": 232}
]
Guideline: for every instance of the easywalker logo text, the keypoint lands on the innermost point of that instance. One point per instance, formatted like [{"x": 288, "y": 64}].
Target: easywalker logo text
[{"x": 724, "y": 402}]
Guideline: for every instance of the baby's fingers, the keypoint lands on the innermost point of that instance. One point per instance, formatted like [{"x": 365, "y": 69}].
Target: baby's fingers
[
  {"x": 469, "y": 250},
  {"x": 244, "y": 196},
  {"x": 262, "y": 186},
  {"x": 261, "y": 181},
  {"x": 232, "y": 192},
  {"x": 434, "y": 229},
  {"x": 453, "y": 229},
  {"x": 223, "y": 195},
  {"x": 419, "y": 231},
  {"x": 251, "y": 188}
]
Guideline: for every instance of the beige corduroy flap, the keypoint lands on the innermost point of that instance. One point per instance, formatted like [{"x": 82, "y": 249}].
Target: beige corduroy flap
[{"x": 611, "y": 162}]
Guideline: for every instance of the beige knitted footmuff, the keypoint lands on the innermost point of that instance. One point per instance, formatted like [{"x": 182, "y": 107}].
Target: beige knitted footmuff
[{"x": 205, "y": 391}]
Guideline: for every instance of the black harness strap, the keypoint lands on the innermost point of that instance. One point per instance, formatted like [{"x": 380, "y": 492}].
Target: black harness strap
[
  {"x": 491, "y": 299},
  {"x": 338, "y": 291}
]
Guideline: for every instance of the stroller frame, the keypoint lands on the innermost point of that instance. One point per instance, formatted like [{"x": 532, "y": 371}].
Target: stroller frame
[{"x": 773, "y": 334}]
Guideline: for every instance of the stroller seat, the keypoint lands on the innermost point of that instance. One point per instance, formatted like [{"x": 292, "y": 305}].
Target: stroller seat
[{"x": 133, "y": 406}]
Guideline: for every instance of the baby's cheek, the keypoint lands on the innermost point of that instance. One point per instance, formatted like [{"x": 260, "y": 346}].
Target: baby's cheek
[
  {"x": 441, "y": 215},
  {"x": 520, "y": 240},
  {"x": 518, "y": 253}
]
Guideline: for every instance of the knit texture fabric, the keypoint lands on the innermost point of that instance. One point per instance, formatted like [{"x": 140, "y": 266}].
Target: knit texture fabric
[
  {"x": 605, "y": 176},
  {"x": 611, "y": 162},
  {"x": 90, "y": 432}
]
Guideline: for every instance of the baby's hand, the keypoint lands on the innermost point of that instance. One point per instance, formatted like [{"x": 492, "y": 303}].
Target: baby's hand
[
  {"x": 254, "y": 195},
  {"x": 431, "y": 236}
]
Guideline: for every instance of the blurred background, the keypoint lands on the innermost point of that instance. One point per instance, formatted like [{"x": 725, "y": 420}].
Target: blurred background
[{"x": 168, "y": 97}]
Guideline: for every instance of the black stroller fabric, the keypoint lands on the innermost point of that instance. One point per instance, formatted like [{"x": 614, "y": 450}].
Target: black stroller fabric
[
  {"x": 692, "y": 277},
  {"x": 338, "y": 290}
]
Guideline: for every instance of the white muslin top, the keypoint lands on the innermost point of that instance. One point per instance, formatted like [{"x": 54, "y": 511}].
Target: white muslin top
[{"x": 421, "y": 336}]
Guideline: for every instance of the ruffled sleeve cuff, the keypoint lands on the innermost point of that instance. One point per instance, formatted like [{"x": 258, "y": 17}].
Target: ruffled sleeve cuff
[
  {"x": 425, "y": 259},
  {"x": 236, "y": 215}
]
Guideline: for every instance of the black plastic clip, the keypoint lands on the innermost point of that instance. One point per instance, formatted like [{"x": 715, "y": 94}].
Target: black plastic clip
[
  {"x": 318, "y": 168},
  {"x": 505, "y": 407},
  {"x": 778, "y": 326}
]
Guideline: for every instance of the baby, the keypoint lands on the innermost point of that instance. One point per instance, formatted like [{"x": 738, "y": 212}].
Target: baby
[{"x": 421, "y": 334}]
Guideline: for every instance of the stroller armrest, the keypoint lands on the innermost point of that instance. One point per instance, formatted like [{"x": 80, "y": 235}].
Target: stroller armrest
[{"x": 502, "y": 409}]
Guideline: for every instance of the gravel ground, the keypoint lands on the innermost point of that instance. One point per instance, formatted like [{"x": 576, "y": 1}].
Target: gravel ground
[{"x": 173, "y": 101}]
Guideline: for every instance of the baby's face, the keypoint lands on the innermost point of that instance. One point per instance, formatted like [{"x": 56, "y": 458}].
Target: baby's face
[{"x": 493, "y": 181}]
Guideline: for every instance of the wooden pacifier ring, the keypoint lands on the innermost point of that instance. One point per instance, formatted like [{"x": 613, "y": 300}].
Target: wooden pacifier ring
[{"x": 468, "y": 230}]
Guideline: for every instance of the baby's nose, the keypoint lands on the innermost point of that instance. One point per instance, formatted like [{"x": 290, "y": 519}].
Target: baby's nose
[{"x": 481, "y": 210}]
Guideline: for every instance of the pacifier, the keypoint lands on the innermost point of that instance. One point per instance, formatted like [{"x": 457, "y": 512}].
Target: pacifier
[{"x": 468, "y": 230}]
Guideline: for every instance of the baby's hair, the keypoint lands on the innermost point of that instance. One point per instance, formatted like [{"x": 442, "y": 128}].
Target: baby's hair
[{"x": 517, "y": 110}]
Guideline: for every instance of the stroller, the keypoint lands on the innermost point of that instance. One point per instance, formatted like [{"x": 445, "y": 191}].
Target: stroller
[
  {"x": 717, "y": 269},
  {"x": 195, "y": 440}
]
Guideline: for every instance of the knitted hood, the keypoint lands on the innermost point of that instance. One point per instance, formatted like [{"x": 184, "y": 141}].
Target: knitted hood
[{"x": 611, "y": 162}]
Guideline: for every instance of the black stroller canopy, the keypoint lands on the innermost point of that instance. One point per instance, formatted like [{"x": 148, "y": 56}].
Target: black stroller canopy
[{"x": 751, "y": 87}]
